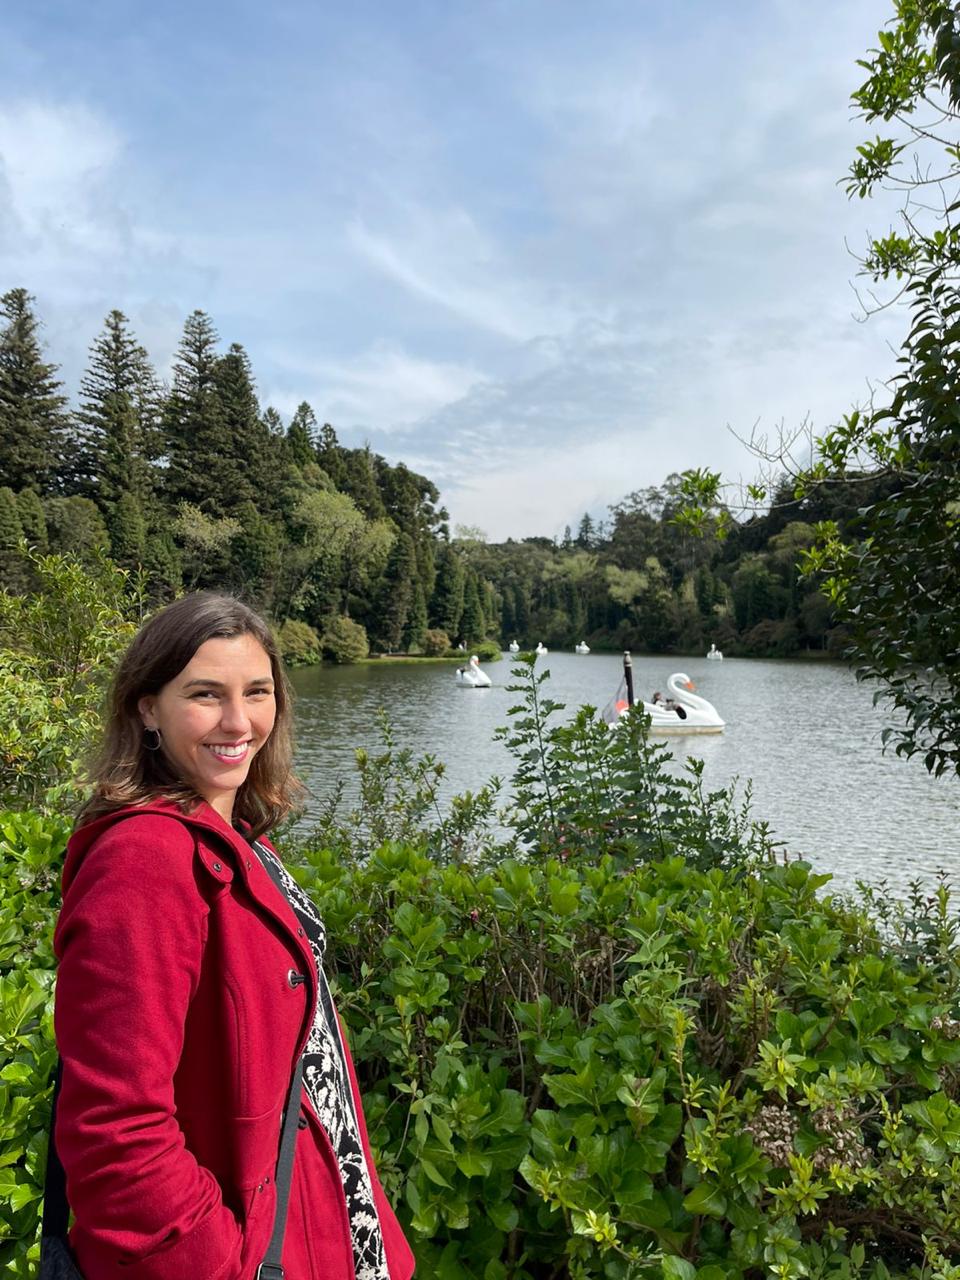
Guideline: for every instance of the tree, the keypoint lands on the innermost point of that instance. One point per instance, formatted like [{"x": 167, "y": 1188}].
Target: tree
[
  {"x": 247, "y": 472},
  {"x": 446, "y": 606},
  {"x": 32, "y": 520},
  {"x": 34, "y": 444},
  {"x": 473, "y": 625},
  {"x": 301, "y": 435},
  {"x": 195, "y": 435},
  {"x": 11, "y": 531},
  {"x": 119, "y": 407},
  {"x": 395, "y": 597}
]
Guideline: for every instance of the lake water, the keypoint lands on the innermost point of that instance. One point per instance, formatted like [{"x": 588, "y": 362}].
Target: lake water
[{"x": 805, "y": 733}]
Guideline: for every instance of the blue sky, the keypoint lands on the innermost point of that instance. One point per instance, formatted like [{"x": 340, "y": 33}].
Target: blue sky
[{"x": 543, "y": 252}]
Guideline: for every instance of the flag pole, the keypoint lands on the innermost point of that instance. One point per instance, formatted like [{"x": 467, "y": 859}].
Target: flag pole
[{"x": 628, "y": 676}]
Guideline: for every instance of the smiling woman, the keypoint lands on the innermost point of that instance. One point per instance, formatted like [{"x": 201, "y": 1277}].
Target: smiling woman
[{"x": 196, "y": 1030}]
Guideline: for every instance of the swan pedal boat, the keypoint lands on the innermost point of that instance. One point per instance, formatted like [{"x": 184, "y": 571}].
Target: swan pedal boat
[
  {"x": 715, "y": 654},
  {"x": 471, "y": 677},
  {"x": 582, "y": 647},
  {"x": 514, "y": 647},
  {"x": 700, "y": 716},
  {"x": 541, "y": 648}
]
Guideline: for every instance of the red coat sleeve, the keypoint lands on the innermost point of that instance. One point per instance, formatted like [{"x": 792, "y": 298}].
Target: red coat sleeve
[{"x": 130, "y": 941}]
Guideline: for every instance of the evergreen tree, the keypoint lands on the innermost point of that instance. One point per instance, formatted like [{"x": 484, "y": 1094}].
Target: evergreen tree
[
  {"x": 195, "y": 435},
  {"x": 118, "y": 416},
  {"x": 416, "y": 625},
  {"x": 127, "y": 529},
  {"x": 357, "y": 473},
  {"x": 75, "y": 526},
  {"x": 395, "y": 597},
  {"x": 301, "y": 435},
  {"x": 34, "y": 442},
  {"x": 32, "y": 520},
  {"x": 11, "y": 531},
  {"x": 248, "y": 471},
  {"x": 586, "y": 533},
  {"x": 472, "y": 624},
  {"x": 446, "y": 605},
  {"x": 330, "y": 456}
]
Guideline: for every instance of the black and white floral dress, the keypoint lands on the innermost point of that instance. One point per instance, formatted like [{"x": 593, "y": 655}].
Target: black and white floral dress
[{"x": 328, "y": 1086}]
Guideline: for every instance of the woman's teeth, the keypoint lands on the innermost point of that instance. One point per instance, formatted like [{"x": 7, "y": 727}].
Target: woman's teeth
[{"x": 228, "y": 753}]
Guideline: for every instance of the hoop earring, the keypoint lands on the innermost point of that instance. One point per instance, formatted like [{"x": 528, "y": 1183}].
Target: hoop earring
[{"x": 147, "y": 746}]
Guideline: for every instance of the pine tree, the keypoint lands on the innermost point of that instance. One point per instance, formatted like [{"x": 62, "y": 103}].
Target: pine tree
[
  {"x": 416, "y": 626},
  {"x": 473, "y": 624},
  {"x": 330, "y": 455},
  {"x": 395, "y": 597},
  {"x": 119, "y": 415},
  {"x": 128, "y": 530},
  {"x": 11, "y": 531},
  {"x": 301, "y": 435},
  {"x": 247, "y": 472},
  {"x": 446, "y": 605},
  {"x": 34, "y": 426},
  {"x": 586, "y": 533},
  {"x": 196, "y": 441},
  {"x": 32, "y": 520}
]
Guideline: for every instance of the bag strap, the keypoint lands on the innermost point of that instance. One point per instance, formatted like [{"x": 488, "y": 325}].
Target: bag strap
[
  {"x": 56, "y": 1208},
  {"x": 271, "y": 1267}
]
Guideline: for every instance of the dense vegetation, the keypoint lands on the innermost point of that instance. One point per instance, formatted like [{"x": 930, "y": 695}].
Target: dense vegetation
[{"x": 198, "y": 485}]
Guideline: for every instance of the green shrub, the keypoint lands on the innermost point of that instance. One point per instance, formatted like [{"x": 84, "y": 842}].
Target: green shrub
[
  {"x": 31, "y": 850},
  {"x": 59, "y": 645},
  {"x": 435, "y": 643},
  {"x": 299, "y": 644},
  {"x": 486, "y": 651},
  {"x": 345, "y": 641}
]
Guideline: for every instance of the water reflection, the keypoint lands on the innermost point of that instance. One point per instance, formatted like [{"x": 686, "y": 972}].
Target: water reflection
[{"x": 805, "y": 733}]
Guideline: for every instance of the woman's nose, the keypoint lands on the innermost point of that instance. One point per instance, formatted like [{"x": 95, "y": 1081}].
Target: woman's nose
[{"x": 233, "y": 717}]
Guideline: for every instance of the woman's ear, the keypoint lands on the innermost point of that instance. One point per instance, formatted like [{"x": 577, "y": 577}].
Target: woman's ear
[{"x": 145, "y": 707}]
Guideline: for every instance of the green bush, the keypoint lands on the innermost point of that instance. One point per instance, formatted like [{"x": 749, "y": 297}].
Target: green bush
[
  {"x": 435, "y": 643},
  {"x": 299, "y": 644},
  {"x": 58, "y": 647},
  {"x": 486, "y": 651},
  {"x": 31, "y": 851},
  {"x": 345, "y": 641}
]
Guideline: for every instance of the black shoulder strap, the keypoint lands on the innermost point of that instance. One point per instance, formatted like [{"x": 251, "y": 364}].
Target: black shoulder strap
[
  {"x": 56, "y": 1210},
  {"x": 271, "y": 1267}
]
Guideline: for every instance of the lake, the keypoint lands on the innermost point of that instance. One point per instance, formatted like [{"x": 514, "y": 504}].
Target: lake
[{"x": 805, "y": 733}]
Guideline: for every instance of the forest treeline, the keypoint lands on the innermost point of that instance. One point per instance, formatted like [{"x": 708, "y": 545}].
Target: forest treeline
[{"x": 200, "y": 486}]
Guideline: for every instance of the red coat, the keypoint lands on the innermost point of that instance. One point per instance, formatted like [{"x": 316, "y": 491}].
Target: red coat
[{"x": 178, "y": 1027}]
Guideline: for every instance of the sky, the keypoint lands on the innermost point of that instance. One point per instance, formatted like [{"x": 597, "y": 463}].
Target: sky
[{"x": 543, "y": 252}]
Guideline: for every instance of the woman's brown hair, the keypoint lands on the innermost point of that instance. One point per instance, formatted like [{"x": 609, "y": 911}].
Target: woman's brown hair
[{"x": 126, "y": 773}]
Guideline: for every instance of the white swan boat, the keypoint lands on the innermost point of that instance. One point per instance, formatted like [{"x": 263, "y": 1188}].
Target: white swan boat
[
  {"x": 690, "y": 714},
  {"x": 514, "y": 647},
  {"x": 582, "y": 647},
  {"x": 715, "y": 654},
  {"x": 471, "y": 677},
  {"x": 541, "y": 648}
]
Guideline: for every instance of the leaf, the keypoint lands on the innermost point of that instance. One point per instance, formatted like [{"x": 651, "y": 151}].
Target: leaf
[
  {"x": 676, "y": 1268},
  {"x": 706, "y": 1198}
]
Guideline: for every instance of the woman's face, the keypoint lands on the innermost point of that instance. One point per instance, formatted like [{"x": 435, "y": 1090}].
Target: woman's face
[{"x": 215, "y": 716}]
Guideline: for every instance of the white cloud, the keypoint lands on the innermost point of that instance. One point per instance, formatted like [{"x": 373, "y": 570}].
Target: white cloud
[{"x": 385, "y": 386}]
